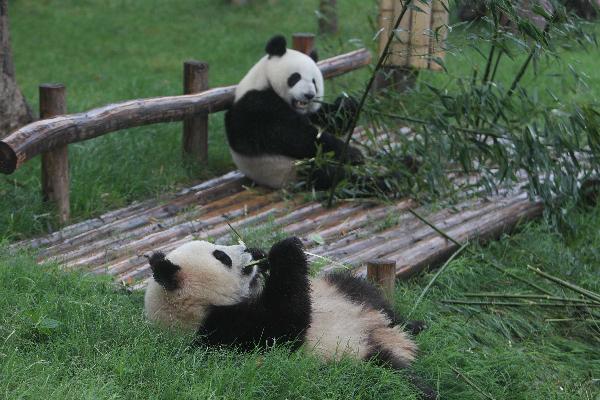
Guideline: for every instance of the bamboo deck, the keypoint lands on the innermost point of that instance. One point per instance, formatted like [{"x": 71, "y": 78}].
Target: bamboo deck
[{"x": 352, "y": 233}]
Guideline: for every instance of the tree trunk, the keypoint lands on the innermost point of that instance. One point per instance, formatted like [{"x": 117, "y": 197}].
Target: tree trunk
[
  {"x": 587, "y": 9},
  {"x": 14, "y": 111},
  {"x": 328, "y": 19}
]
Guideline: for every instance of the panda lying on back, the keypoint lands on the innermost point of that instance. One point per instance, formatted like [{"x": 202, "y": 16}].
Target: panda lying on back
[
  {"x": 229, "y": 301},
  {"x": 274, "y": 118}
]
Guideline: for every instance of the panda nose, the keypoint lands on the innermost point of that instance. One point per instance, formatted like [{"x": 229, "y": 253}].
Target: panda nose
[{"x": 309, "y": 96}]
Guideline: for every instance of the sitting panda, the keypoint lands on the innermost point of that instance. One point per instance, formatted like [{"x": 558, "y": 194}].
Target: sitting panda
[
  {"x": 230, "y": 300},
  {"x": 278, "y": 117}
]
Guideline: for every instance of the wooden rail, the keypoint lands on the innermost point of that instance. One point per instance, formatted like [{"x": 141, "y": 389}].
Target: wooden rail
[
  {"x": 51, "y": 136},
  {"x": 45, "y": 135}
]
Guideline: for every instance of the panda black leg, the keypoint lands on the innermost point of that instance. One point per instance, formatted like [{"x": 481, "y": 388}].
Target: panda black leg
[
  {"x": 387, "y": 359},
  {"x": 413, "y": 326},
  {"x": 321, "y": 178}
]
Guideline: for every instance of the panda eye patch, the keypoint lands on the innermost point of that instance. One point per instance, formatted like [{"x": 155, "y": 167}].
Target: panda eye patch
[
  {"x": 222, "y": 257},
  {"x": 293, "y": 79}
]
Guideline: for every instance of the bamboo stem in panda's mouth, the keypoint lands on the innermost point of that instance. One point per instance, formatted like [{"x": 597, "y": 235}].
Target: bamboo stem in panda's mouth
[{"x": 255, "y": 262}]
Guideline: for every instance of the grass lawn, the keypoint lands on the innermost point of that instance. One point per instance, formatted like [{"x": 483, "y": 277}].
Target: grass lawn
[{"x": 66, "y": 336}]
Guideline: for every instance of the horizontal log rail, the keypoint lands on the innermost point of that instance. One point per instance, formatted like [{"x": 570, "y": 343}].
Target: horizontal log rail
[{"x": 48, "y": 134}]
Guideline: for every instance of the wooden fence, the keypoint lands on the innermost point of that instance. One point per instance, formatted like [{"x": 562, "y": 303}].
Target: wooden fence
[{"x": 51, "y": 135}]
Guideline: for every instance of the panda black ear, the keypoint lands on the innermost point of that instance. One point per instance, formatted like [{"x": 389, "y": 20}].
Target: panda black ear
[
  {"x": 276, "y": 46},
  {"x": 164, "y": 271},
  {"x": 314, "y": 55}
]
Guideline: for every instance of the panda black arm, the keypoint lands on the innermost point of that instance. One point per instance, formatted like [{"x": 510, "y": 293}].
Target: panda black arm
[
  {"x": 333, "y": 118},
  {"x": 240, "y": 325},
  {"x": 287, "y": 289},
  {"x": 281, "y": 313},
  {"x": 262, "y": 123}
]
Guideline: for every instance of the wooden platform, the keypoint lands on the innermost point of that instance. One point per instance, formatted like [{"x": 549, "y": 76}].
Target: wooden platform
[{"x": 351, "y": 233}]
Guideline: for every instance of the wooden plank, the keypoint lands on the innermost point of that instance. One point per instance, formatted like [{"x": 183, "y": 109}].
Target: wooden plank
[
  {"x": 228, "y": 208},
  {"x": 436, "y": 249},
  {"x": 141, "y": 218},
  {"x": 383, "y": 274},
  {"x": 409, "y": 230},
  {"x": 420, "y": 36},
  {"x": 110, "y": 217},
  {"x": 439, "y": 28}
]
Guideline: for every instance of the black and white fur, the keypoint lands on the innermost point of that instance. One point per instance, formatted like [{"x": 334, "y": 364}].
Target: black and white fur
[
  {"x": 278, "y": 118},
  {"x": 212, "y": 289}
]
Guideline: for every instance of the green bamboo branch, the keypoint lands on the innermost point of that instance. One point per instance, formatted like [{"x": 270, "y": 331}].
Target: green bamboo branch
[
  {"x": 354, "y": 120},
  {"x": 584, "y": 292},
  {"x": 516, "y": 304},
  {"x": 530, "y": 296},
  {"x": 437, "y": 274},
  {"x": 494, "y": 263},
  {"x": 471, "y": 383}
]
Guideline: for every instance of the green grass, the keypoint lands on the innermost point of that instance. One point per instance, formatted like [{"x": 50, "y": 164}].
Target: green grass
[{"x": 68, "y": 336}]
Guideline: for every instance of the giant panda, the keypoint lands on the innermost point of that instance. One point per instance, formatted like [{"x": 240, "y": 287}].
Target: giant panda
[
  {"x": 278, "y": 117},
  {"x": 238, "y": 296}
]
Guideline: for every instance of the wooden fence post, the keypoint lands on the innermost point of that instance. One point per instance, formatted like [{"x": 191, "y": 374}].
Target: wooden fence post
[
  {"x": 383, "y": 274},
  {"x": 55, "y": 163},
  {"x": 415, "y": 46},
  {"x": 328, "y": 20},
  {"x": 303, "y": 42},
  {"x": 195, "y": 129}
]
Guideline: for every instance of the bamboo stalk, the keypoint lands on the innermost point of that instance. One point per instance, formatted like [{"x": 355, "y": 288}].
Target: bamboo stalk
[
  {"x": 472, "y": 384},
  {"x": 137, "y": 220},
  {"x": 584, "y": 292},
  {"x": 529, "y": 296},
  {"x": 349, "y": 129},
  {"x": 434, "y": 278},
  {"x": 516, "y": 304}
]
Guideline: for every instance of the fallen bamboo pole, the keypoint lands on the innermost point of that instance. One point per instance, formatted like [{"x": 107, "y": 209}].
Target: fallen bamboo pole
[
  {"x": 434, "y": 251},
  {"x": 137, "y": 220},
  {"x": 116, "y": 217},
  {"x": 229, "y": 206},
  {"x": 43, "y": 136}
]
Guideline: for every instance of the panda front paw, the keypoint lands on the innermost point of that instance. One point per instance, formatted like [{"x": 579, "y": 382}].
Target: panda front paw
[
  {"x": 355, "y": 156},
  {"x": 258, "y": 254},
  {"x": 287, "y": 253},
  {"x": 347, "y": 105}
]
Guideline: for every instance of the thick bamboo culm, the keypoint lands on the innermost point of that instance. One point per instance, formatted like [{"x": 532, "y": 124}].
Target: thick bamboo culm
[
  {"x": 55, "y": 163},
  {"x": 45, "y": 135},
  {"x": 420, "y": 35},
  {"x": 383, "y": 274}
]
